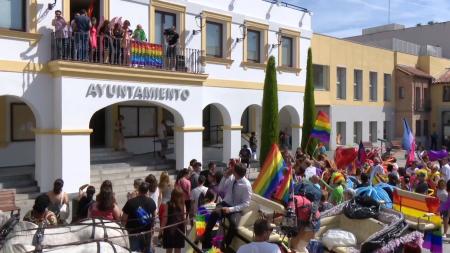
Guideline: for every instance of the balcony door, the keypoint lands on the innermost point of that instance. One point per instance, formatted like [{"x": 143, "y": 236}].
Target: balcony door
[
  {"x": 91, "y": 6},
  {"x": 163, "y": 21}
]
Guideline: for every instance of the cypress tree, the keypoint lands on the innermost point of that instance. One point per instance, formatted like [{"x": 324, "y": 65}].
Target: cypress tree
[
  {"x": 309, "y": 109},
  {"x": 269, "y": 128}
]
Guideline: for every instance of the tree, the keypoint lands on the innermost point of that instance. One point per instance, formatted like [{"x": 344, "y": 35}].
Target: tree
[
  {"x": 269, "y": 128},
  {"x": 309, "y": 109}
]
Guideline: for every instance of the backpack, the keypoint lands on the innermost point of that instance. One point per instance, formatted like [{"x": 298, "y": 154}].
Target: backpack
[
  {"x": 303, "y": 207},
  {"x": 143, "y": 217}
]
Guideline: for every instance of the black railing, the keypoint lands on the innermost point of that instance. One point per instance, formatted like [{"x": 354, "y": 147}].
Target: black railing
[
  {"x": 286, "y": 4},
  {"x": 213, "y": 134},
  {"x": 125, "y": 52}
]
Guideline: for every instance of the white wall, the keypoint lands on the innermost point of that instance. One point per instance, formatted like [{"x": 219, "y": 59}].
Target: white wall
[{"x": 134, "y": 11}]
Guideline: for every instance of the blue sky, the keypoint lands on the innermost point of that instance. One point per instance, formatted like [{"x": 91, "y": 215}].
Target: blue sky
[{"x": 344, "y": 18}]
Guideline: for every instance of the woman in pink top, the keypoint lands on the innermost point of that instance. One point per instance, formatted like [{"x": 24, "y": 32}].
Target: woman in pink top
[
  {"x": 105, "y": 206},
  {"x": 184, "y": 185},
  {"x": 93, "y": 39}
]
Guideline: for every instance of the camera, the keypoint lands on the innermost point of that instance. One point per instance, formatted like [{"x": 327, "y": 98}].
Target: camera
[{"x": 168, "y": 32}]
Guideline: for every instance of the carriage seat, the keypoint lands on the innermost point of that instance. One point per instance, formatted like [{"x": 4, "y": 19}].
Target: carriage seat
[{"x": 258, "y": 206}]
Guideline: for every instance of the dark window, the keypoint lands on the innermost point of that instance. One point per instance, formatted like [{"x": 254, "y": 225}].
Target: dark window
[
  {"x": 163, "y": 21},
  {"x": 373, "y": 129},
  {"x": 13, "y": 14},
  {"x": 340, "y": 133},
  {"x": 253, "y": 46},
  {"x": 358, "y": 85},
  {"x": 287, "y": 53},
  {"x": 387, "y": 87},
  {"x": 22, "y": 122},
  {"x": 320, "y": 78},
  {"x": 357, "y": 131},
  {"x": 373, "y": 86},
  {"x": 446, "y": 94},
  {"x": 341, "y": 83},
  {"x": 214, "y": 39},
  {"x": 401, "y": 92},
  {"x": 139, "y": 121},
  {"x": 387, "y": 130},
  {"x": 418, "y": 100},
  {"x": 418, "y": 128},
  {"x": 425, "y": 128}
]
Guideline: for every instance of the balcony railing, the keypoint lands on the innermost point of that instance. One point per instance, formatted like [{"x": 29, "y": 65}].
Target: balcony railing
[{"x": 124, "y": 52}]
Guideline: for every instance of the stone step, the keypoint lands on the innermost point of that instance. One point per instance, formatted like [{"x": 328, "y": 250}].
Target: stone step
[
  {"x": 17, "y": 183},
  {"x": 25, "y": 189},
  {"x": 16, "y": 171},
  {"x": 26, "y": 196}
]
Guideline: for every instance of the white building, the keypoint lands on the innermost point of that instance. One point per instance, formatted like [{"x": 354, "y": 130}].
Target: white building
[{"x": 55, "y": 108}]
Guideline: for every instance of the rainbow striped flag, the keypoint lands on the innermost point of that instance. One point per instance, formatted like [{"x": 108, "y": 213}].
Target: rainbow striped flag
[
  {"x": 273, "y": 172},
  {"x": 322, "y": 128},
  {"x": 285, "y": 187}
]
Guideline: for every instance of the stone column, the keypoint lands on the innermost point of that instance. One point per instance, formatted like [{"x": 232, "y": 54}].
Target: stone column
[
  {"x": 65, "y": 154},
  {"x": 188, "y": 145},
  {"x": 232, "y": 140}
]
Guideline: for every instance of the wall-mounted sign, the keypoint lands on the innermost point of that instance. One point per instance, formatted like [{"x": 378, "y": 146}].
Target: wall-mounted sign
[{"x": 136, "y": 92}]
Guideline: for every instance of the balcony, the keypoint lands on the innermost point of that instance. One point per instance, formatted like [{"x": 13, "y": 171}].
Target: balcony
[{"x": 127, "y": 53}]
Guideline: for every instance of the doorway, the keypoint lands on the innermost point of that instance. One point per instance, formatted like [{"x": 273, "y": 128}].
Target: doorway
[
  {"x": 91, "y": 6},
  {"x": 97, "y": 124}
]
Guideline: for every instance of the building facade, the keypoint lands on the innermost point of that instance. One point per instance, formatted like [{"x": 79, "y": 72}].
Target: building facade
[
  {"x": 60, "y": 98},
  {"x": 368, "y": 90}
]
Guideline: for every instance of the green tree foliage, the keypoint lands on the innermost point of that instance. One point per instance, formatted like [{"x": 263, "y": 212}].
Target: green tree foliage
[
  {"x": 309, "y": 109},
  {"x": 269, "y": 128}
]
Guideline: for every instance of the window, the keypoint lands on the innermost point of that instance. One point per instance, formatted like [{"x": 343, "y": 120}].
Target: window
[
  {"x": 357, "y": 86},
  {"x": 341, "y": 83},
  {"x": 139, "y": 121},
  {"x": 418, "y": 128},
  {"x": 163, "y": 21},
  {"x": 320, "y": 78},
  {"x": 401, "y": 92},
  {"x": 426, "y": 99},
  {"x": 446, "y": 93},
  {"x": 425, "y": 128},
  {"x": 387, "y": 87},
  {"x": 387, "y": 130},
  {"x": 357, "y": 132},
  {"x": 287, "y": 52},
  {"x": 253, "y": 46},
  {"x": 13, "y": 15},
  {"x": 373, "y": 131},
  {"x": 340, "y": 133},
  {"x": 417, "y": 100},
  {"x": 22, "y": 122},
  {"x": 373, "y": 86},
  {"x": 214, "y": 39}
]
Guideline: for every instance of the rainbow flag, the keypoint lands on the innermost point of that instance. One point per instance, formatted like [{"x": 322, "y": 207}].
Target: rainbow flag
[
  {"x": 272, "y": 173},
  {"x": 285, "y": 187},
  {"x": 322, "y": 128}
]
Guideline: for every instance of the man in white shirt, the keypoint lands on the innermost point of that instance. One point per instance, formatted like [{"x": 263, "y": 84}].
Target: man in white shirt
[
  {"x": 196, "y": 192},
  {"x": 237, "y": 198},
  {"x": 445, "y": 170},
  {"x": 262, "y": 230}
]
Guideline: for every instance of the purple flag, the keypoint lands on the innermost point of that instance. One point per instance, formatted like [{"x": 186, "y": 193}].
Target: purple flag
[{"x": 435, "y": 155}]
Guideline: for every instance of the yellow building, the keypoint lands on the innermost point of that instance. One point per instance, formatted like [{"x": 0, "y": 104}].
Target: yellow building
[{"x": 367, "y": 91}]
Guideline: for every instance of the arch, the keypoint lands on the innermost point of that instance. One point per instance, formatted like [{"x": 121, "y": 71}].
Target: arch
[
  {"x": 34, "y": 110},
  {"x": 293, "y": 113},
  {"x": 178, "y": 117},
  {"x": 226, "y": 116},
  {"x": 20, "y": 149},
  {"x": 251, "y": 118}
]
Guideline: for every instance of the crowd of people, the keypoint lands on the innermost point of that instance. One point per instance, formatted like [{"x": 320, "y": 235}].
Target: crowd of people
[
  {"x": 84, "y": 38},
  {"x": 225, "y": 193}
]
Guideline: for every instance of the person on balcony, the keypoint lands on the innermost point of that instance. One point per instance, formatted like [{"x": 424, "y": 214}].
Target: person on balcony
[
  {"x": 172, "y": 37},
  {"x": 83, "y": 23},
  {"x": 60, "y": 25},
  {"x": 117, "y": 37},
  {"x": 139, "y": 34},
  {"x": 105, "y": 38},
  {"x": 126, "y": 42},
  {"x": 93, "y": 39}
]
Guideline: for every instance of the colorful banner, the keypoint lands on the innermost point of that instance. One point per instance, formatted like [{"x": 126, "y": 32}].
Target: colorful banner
[{"x": 147, "y": 54}]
